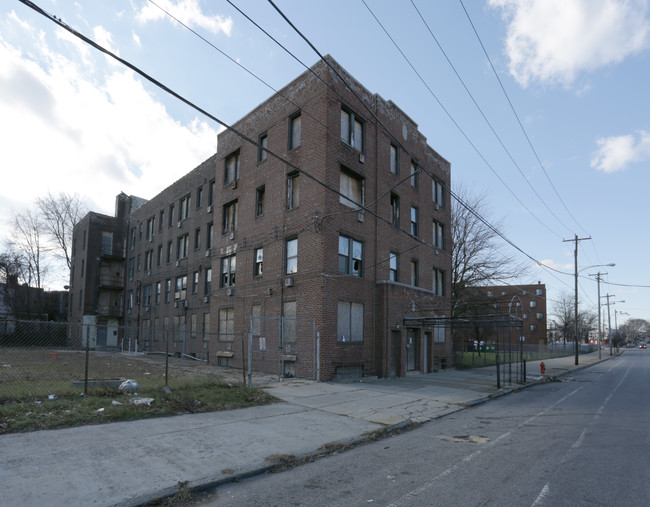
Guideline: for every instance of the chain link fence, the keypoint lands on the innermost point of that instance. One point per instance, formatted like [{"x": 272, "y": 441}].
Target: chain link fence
[{"x": 42, "y": 358}]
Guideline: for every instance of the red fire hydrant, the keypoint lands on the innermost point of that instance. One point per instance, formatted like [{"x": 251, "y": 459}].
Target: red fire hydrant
[{"x": 542, "y": 367}]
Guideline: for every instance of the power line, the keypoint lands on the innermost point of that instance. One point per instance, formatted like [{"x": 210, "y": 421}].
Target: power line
[
  {"x": 517, "y": 117},
  {"x": 458, "y": 199},
  {"x": 457, "y": 125}
]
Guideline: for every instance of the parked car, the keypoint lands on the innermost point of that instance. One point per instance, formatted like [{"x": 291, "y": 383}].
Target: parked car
[{"x": 642, "y": 346}]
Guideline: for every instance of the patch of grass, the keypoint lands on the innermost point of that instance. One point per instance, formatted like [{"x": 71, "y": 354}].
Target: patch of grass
[{"x": 103, "y": 405}]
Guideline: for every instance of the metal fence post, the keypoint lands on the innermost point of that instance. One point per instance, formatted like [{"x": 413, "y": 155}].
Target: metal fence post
[
  {"x": 318, "y": 356},
  {"x": 250, "y": 358}
]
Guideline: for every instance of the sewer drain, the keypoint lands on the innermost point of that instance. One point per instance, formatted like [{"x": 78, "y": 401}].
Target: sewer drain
[{"x": 475, "y": 439}]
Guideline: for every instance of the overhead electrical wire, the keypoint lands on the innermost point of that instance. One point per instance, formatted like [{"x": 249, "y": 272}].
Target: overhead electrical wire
[
  {"x": 186, "y": 101},
  {"x": 458, "y": 199},
  {"x": 457, "y": 125},
  {"x": 517, "y": 117},
  {"x": 159, "y": 84},
  {"x": 487, "y": 121}
]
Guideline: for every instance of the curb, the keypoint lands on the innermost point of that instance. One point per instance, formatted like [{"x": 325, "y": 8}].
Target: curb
[{"x": 209, "y": 484}]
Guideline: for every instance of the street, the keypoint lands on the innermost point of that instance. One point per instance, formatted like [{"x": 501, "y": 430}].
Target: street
[{"x": 581, "y": 441}]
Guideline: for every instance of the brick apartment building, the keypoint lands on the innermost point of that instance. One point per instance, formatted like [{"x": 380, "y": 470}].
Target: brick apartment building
[
  {"x": 524, "y": 303},
  {"x": 325, "y": 245}
]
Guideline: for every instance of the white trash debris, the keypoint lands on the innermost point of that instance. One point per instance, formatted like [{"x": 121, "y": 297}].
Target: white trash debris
[
  {"x": 129, "y": 385},
  {"x": 141, "y": 401},
  {"x": 99, "y": 410},
  {"x": 114, "y": 402}
]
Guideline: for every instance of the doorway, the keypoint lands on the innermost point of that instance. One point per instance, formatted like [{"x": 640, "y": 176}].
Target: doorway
[
  {"x": 395, "y": 359},
  {"x": 412, "y": 349}
]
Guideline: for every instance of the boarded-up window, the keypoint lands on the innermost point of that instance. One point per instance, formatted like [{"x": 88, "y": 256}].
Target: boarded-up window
[
  {"x": 206, "y": 326},
  {"x": 439, "y": 331},
  {"x": 256, "y": 313},
  {"x": 226, "y": 324},
  {"x": 351, "y": 188},
  {"x": 350, "y": 322},
  {"x": 289, "y": 322}
]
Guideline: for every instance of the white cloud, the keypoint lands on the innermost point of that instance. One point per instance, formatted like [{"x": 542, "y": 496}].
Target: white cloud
[
  {"x": 104, "y": 38},
  {"x": 552, "y": 41},
  {"x": 136, "y": 39},
  {"x": 616, "y": 153},
  {"x": 64, "y": 131},
  {"x": 187, "y": 12},
  {"x": 550, "y": 263}
]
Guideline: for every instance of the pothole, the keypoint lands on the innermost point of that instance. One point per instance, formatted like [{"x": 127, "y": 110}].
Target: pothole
[{"x": 475, "y": 439}]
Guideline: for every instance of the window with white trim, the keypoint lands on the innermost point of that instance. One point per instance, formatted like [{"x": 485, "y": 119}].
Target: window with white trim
[
  {"x": 228, "y": 270},
  {"x": 350, "y": 256},
  {"x": 231, "y": 172},
  {"x": 352, "y": 129},
  {"x": 295, "y": 131}
]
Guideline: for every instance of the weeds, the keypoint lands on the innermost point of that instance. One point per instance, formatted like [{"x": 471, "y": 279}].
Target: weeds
[{"x": 104, "y": 405}]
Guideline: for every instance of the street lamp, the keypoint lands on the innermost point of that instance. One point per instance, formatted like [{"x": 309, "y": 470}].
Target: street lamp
[{"x": 598, "y": 275}]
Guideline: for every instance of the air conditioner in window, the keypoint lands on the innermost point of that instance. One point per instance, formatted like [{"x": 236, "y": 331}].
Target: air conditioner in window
[
  {"x": 147, "y": 308},
  {"x": 210, "y": 208},
  {"x": 229, "y": 292},
  {"x": 436, "y": 251},
  {"x": 360, "y": 216},
  {"x": 178, "y": 263},
  {"x": 208, "y": 253},
  {"x": 362, "y": 158},
  {"x": 206, "y": 299},
  {"x": 151, "y": 239},
  {"x": 437, "y": 206},
  {"x": 179, "y": 224},
  {"x": 231, "y": 236},
  {"x": 234, "y": 185},
  {"x": 288, "y": 282},
  {"x": 175, "y": 304}
]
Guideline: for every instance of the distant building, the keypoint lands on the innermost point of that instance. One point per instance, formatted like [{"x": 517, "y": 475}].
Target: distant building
[
  {"x": 97, "y": 275},
  {"x": 524, "y": 303},
  {"x": 344, "y": 239}
]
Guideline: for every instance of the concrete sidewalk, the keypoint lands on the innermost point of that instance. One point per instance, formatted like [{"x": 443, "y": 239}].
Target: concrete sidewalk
[{"x": 131, "y": 463}]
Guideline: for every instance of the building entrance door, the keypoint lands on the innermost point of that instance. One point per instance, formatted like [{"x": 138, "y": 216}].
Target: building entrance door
[
  {"x": 395, "y": 347},
  {"x": 412, "y": 349}
]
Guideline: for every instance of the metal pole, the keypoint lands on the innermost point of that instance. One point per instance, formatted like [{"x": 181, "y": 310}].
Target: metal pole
[
  {"x": 576, "y": 303},
  {"x": 250, "y": 358},
  {"x": 599, "y": 329},
  {"x": 318, "y": 356},
  {"x": 609, "y": 325}
]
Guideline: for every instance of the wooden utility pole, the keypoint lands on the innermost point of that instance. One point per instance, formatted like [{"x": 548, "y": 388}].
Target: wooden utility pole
[{"x": 575, "y": 316}]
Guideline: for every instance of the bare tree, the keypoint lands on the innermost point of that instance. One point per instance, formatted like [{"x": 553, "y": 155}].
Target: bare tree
[
  {"x": 477, "y": 257},
  {"x": 564, "y": 313},
  {"x": 13, "y": 273},
  {"x": 633, "y": 328},
  {"x": 27, "y": 239},
  {"x": 60, "y": 213}
]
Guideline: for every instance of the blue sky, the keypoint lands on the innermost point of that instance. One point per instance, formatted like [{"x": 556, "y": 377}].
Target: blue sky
[{"x": 576, "y": 72}]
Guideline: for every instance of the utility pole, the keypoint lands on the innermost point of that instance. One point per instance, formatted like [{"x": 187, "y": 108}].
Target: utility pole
[
  {"x": 575, "y": 252},
  {"x": 598, "y": 275},
  {"x": 609, "y": 323}
]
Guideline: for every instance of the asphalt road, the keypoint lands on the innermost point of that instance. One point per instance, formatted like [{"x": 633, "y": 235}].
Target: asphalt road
[{"x": 582, "y": 441}]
